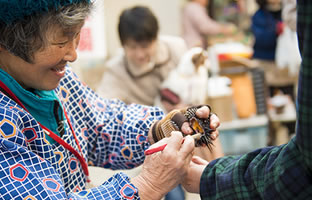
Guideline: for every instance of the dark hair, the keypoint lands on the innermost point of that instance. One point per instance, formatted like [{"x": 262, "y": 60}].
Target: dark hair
[
  {"x": 261, "y": 3},
  {"x": 137, "y": 23}
]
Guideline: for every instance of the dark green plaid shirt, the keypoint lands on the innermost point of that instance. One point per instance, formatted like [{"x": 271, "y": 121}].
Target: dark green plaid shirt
[{"x": 283, "y": 172}]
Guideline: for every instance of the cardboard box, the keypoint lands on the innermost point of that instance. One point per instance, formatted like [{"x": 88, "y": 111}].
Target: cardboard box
[
  {"x": 222, "y": 106},
  {"x": 243, "y": 91}
]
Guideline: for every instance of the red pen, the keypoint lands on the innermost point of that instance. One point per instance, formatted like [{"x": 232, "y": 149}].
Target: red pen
[{"x": 162, "y": 147}]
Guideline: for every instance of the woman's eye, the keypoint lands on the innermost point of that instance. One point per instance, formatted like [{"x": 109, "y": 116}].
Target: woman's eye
[{"x": 62, "y": 44}]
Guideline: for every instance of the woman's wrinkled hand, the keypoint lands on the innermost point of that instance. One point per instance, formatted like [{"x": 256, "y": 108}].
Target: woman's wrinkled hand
[{"x": 164, "y": 170}]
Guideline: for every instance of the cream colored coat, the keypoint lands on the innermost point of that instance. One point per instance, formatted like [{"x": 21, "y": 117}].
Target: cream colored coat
[{"x": 124, "y": 81}]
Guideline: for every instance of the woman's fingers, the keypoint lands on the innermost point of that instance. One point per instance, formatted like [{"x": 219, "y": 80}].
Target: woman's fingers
[
  {"x": 199, "y": 161},
  {"x": 203, "y": 112},
  {"x": 186, "y": 129},
  {"x": 214, "y": 121},
  {"x": 187, "y": 147}
]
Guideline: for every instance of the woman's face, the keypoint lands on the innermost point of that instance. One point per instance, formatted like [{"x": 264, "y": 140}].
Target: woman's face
[
  {"x": 140, "y": 53},
  {"x": 48, "y": 66}
]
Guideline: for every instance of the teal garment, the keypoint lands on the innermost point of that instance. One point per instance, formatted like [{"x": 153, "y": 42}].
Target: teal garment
[{"x": 40, "y": 104}]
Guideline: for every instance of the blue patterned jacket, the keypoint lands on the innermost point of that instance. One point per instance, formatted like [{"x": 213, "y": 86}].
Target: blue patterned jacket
[{"x": 111, "y": 134}]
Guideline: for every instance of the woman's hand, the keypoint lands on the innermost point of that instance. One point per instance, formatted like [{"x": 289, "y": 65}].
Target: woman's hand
[
  {"x": 164, "y": 170},
  {"x": 164, "y": 127},
  {"x": 204, "y": 112},
  {"x": 191, "y": 181}
]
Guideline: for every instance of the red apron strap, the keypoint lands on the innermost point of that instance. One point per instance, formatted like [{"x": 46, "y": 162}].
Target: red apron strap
[{"x": 59, "y": 140}]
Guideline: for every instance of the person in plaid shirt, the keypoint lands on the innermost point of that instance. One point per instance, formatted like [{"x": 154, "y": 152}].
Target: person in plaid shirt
[{"x": 280, "y": 172}]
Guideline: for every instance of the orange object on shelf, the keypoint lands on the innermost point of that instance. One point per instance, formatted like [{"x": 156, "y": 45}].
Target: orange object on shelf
[{"x": 243, "y": 95}]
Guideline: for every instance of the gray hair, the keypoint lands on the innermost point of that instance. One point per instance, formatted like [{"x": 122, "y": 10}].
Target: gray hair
[{"x": 25, "y": 37}]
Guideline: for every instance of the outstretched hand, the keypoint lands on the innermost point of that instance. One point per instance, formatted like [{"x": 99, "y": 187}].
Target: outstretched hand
[
  {"x": 191, "y": 181},
  {"x": 164, "y": 170}
]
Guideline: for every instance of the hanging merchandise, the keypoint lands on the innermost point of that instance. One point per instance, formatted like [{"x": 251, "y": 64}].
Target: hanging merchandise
[{"x": 287, "y": 51}]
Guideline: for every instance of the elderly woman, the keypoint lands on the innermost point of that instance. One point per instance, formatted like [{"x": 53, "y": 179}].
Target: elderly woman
[{"x": 52, "y": 125}]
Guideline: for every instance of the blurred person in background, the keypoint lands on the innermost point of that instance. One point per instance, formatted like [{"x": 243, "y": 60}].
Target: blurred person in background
[
  {"x": 197, "y": 25},
  {"x": 144, "y": 61},
  {"x": 266, "y": 26}
]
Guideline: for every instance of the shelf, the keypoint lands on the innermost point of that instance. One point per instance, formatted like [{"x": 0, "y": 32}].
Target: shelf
[{"x": 255, "y": 121}]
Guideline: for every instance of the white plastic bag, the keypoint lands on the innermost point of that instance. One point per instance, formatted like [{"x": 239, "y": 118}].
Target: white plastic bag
[{"x": 287, "y": 51}]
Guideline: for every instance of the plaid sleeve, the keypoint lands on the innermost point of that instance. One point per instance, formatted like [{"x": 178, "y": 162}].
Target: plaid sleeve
[
  {"x": 267, "y": 173},
  {"x": 304, "y": 100},
  {"x": 282, "y": 172}
]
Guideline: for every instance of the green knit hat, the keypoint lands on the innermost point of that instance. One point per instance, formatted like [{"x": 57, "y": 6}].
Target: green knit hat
[{"x": 12, "y": 10}]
